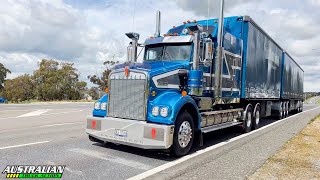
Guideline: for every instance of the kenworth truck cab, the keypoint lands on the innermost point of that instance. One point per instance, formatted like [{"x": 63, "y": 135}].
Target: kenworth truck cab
[{"x": 193, "y": 80}]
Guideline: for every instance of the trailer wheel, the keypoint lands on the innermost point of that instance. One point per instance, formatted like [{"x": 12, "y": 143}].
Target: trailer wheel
[
  {"x": 301, "y": 107},
  {"x": 247, "y": 123},
  {"x": 280, "y": 114},
  {"x": 183, "y": 134},
  {"x": 256, "y": 117},
  {"x": 286, "y": 107}
]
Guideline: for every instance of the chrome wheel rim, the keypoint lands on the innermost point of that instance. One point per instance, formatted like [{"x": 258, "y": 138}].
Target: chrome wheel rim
[
  {"x": 185, "y": 134},
  {"x": 249, "y": 119},
  {"x": 257, "y": 117}
]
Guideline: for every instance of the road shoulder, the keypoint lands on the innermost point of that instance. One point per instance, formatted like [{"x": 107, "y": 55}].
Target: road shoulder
[
  {"x": 242, "y": 157},
  {"x": 298, "y": 159}
]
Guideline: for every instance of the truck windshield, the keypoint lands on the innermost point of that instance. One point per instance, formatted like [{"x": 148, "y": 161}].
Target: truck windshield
[{"x": 167, "y": 52}]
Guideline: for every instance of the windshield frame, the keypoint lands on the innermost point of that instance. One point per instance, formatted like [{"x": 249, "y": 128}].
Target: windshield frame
[{"x": 163, "y": 51}]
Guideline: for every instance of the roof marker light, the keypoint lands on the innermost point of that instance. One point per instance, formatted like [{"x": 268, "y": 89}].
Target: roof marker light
[
  {"x": 184, "y": 22},
  {"x": 188, "y": 21},
  {"x": 195, "y": 21}
]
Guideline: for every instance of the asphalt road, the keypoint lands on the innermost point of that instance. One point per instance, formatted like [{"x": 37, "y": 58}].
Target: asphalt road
[{"x": 54, "y": 134}]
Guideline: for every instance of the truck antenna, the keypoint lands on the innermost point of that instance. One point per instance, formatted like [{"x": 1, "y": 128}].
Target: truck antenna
[
  {"x": 133, "y": 16},
  {"x": 208, "y": 15}
]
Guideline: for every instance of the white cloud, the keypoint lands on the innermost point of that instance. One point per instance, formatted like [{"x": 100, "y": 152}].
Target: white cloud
[{"x": 90, "y": 32}]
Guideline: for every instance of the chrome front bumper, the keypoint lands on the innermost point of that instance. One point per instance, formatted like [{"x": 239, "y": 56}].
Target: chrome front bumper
[{"x": 130, "y": 132}]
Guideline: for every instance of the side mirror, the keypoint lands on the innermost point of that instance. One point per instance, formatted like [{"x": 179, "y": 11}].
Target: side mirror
[{"x": 183, "y": 77}]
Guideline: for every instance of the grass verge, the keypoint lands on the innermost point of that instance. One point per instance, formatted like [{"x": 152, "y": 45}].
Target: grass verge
[{"x": 298, "y": 159}]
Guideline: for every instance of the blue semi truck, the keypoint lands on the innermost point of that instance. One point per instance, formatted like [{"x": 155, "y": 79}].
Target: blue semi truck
[{"x": 195, "y": 79}]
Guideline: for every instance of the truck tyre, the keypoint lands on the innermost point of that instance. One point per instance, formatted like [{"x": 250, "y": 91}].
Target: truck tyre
[
  {"x": 256, "y": 117},
  {"x": 280, "y": 113},
  {"x": 183, "y": 134},
  {"x": 247, "y": 123},
  {"x": 286, "y": 109}
]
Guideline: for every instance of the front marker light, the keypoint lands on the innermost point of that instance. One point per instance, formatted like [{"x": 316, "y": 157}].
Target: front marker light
[
  {"x": 97, "y": 105},
  {"x": 155, "y": 111},
  {"x": 164, "y": 112},
  {"x": 104, "y": 106}
]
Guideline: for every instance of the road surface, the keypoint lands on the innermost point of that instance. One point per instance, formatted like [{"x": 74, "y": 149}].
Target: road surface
[{"x": 45, "y": 134}]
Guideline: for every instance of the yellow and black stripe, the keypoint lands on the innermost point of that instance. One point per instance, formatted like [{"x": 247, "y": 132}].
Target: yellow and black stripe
[{"x": 12, "y": 175}]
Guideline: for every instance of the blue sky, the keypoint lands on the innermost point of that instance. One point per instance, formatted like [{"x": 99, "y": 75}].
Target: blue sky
[{"x": 88, "y": 32}]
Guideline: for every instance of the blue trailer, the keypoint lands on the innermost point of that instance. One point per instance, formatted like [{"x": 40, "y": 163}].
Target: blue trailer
[{"x": 195, "y": 79}]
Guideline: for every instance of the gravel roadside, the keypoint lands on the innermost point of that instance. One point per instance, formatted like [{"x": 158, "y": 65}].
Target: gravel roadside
[{"x": 298, "y": 159}]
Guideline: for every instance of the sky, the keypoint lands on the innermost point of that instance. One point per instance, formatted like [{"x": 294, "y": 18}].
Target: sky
[{"x": 89, "y": 32}]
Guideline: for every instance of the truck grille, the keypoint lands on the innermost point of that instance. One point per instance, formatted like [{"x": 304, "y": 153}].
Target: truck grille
[{"x": 127, "y": 96}]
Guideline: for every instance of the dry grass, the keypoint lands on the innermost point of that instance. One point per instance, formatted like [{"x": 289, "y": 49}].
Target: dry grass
[{"x": 298, "y": 159}]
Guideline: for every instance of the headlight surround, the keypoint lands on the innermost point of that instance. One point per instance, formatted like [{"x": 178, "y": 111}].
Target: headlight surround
[
  {"x": 164, "y": 111},
  {"x": 97, "y": 105},
  {"x": 103, "y": 106},
  {"x": 155, "y": 111}
]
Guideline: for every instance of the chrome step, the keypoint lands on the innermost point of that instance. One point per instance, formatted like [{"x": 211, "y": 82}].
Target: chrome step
[
  {"x": 211, "y": 118},
  {"x": 221, "y": 112},
  {"x": 219, "y": 126}
]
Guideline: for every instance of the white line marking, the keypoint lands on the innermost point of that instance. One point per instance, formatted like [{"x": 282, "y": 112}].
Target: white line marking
[
  {"x": 20, "y": 145},
  {"x": 44, "y": 114},
  {"x": 34, "y": 113},
  {"x": 114, "y": 159},
  {"x": 187, "y": 157},
  {"x": 49, "y": 125}
]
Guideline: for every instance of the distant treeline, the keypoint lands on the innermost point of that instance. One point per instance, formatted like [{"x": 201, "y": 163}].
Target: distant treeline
[
  {"x": 308, "y": 95},
  {"x": 53, "y": 80}
]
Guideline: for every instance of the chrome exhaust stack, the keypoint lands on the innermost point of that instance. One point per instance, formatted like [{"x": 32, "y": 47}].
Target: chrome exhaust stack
[
  {"x": 218, "y": 59},
  {"x": 158, "y": 24},
  {"x": 133, "y": 47}
]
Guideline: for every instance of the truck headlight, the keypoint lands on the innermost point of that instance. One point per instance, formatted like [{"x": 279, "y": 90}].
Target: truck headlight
[
  {"x": 164, "y": 111},
  {"x": 155, "y": 111},
  {"x": 97, "y": 105},
  {"x": 104, "y": 106}
]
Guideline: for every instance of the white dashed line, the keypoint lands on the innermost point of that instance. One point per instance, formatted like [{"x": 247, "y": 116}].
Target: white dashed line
[
  {"x": 34, "y": 113},
  {"x": 21, "y": 145}
]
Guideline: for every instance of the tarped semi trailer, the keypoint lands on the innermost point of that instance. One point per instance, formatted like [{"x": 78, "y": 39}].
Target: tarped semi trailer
[{"x": 199, "y": 77}]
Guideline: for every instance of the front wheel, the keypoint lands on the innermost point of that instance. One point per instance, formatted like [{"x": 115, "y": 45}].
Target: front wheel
[{"x": 183, "y": 134}]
